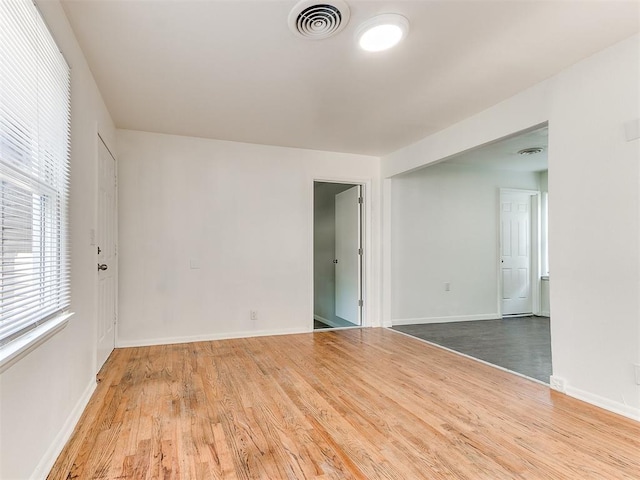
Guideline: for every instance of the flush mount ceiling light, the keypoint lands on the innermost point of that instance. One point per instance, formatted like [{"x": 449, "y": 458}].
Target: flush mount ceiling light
[
  {"x": 530, "y": 151},
  {"x": 382, "y": 32},
  {"x": 315, "y": 20}
]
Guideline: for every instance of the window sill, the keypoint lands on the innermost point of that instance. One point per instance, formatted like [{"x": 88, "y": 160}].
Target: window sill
[{"x": 18, "y": 348}]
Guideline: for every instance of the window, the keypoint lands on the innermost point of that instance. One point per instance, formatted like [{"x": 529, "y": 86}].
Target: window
[{"x": 34, "y": 171}]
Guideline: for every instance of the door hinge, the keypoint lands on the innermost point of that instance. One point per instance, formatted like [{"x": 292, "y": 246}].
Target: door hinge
[
  {"x": 360, "y": 200},
  {"x": 360, "y": 303},
  {"x": 359, "y": 251}
]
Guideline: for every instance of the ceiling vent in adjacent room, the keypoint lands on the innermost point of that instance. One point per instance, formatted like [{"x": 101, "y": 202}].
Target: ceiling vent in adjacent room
[
  {"x": 530, "y": 151},
  {"x": 315, "y": 20}
]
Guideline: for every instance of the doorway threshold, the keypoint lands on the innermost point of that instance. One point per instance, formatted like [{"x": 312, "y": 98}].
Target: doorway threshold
[
  {"x": 472, "y": 357},
  {"x": 520, "y": 344}
]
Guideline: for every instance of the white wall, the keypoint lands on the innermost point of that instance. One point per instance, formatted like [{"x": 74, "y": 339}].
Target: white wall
[
  {"x": 324, "y": 252},
  {"x": 444, "y": 229},
  {"x": 43, "y": 393},
  {"x": 594, "y": 214},
  {"x": 244, "y": 213},
  {"x": 545, "y": 307}
]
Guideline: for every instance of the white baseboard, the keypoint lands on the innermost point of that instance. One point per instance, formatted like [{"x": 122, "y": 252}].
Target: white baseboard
[
  {"x": 209, "y": 337},
  {"x": 545, "y": 314},
  {"x": 51, "y": 455},
  {"x": 326, "y": 321},
  {"x": 323, "y": 320},
  {"x": 602, "y": 402},
  {"x": 453, "y": 318}
]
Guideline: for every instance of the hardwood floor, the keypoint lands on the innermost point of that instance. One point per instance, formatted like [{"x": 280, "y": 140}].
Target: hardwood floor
[{"x": 347, "y": 404}]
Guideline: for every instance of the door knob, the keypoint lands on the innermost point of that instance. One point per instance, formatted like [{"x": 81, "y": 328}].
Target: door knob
[{"x": 102, "y": 266}]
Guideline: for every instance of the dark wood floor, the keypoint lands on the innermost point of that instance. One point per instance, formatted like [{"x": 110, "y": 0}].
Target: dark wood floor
[
  {"x": 345, "y": 404},
  {"x": 521, "y": 344}
]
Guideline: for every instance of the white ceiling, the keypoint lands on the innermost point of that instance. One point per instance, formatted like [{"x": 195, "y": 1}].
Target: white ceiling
[
  {"x": 503, "y": 154},
  {"x": 232, "y": 70}
]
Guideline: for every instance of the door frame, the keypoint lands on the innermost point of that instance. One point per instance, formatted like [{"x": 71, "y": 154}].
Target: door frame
[
  {"x": 366, "y": 231},
  {"x": 94, "y": 239},
  {"x": 534, "y": 232}
]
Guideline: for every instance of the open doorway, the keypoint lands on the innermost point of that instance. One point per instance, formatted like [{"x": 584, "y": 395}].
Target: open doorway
[
  {"x": 470, "y": 258},
  {"x": 337, "y": 255}
]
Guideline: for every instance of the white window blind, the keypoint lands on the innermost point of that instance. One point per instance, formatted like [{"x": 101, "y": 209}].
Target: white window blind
[{"x": 34, "y": 171}]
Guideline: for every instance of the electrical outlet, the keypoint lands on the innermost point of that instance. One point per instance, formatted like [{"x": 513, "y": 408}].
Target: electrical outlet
[
  {"x": 557, "y": 383},
  {"x": 253, "y": 315}
]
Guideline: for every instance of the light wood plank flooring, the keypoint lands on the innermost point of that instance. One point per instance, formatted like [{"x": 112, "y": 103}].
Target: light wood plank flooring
[{"x": 364, "y": 404}]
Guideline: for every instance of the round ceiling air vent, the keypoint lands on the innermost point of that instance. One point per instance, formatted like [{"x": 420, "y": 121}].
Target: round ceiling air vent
[
  {"x": 530, "y": 151},
  {"x": 315, "y": 20}
]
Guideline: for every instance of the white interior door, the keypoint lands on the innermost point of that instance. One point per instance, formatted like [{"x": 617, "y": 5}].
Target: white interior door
[
  {"x": 515, "y": 249},
  {"x": 348, "y": 256},
  {"x": 106, "y": 249}
]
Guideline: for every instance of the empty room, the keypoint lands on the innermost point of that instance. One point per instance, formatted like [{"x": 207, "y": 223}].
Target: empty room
[{"x": 216, "y": 215}]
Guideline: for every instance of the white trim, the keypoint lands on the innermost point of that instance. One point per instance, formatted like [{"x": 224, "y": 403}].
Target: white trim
[
  {"x": 333, "y": 324},
  {"x": 321, "y": 319},
  {"x": 207, "y": 338},
  {"x": 453, "y": 318},
  {"x": 23, "y": 345},
  {"x": 386, "y": 280},
  {"x": 326, "y": 321},
  {"x": 605, "y": 403},
  {"x": 520, "y": 190},
  {"x": 46, "y": 462}
]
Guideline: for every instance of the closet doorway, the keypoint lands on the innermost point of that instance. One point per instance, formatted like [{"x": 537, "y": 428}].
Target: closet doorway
[{"x": 337, "y": 255}]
